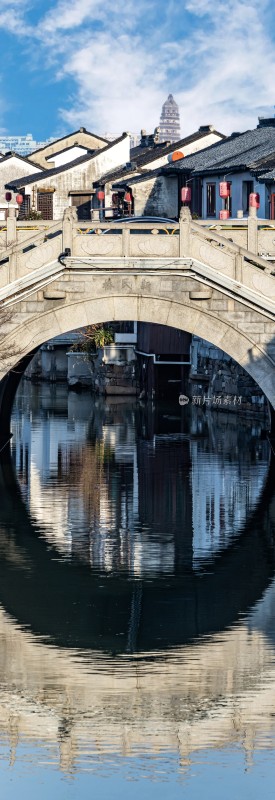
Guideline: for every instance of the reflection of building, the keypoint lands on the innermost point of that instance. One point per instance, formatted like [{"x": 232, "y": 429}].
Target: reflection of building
[
  {"x": 110, "y": 482},
  {"x": 222, "y": 498},
  {"x": 165, "y": 504}
]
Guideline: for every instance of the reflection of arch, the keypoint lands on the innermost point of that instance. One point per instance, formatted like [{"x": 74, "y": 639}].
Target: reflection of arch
[
  {"x": 115, "y": 614},
  {"x": 8, "y": 389},
  {"x": 103, "y": 307}
]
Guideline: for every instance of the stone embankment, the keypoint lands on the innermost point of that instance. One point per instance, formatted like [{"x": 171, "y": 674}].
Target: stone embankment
[
  {"x": 217, "y": 381},
  {"x": 109, "y": 371}
]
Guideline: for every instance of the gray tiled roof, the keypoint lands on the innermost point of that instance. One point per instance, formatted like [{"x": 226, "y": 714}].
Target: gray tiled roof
[
  {"x": 26, "y": 160},
  {"x": 67, "y": 136},
  {"x": 264, "y": 168},
  {"x": 143, "y": 148},
  {"x": 267, "y": 176},
  {"x": 238, "y": 151},
  {"x": 52, "y": 156},
  {"x": 146, "y": 176},
  {"x": 48, "y": 173},
  {"x": 150, "y": 154}
]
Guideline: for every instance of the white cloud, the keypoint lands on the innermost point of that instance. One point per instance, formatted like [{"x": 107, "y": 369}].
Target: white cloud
[
  {"x": 112, "y": 80},
  {"x": 124, "y": 58},
  {"x": 234, "y": 68},
  {"x": 65, "y": 16},
  {"x": 224, "y": 72}
]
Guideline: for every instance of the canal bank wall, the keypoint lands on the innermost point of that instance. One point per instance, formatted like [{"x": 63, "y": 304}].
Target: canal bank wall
[
  {"x": 215, "y": 380},
  {"x": 218, "y": 382}
]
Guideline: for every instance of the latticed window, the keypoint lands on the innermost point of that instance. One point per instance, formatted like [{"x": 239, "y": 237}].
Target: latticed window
[{"x": 45, "y": 204}]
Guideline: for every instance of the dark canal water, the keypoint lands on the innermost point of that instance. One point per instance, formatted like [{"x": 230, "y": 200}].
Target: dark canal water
[{"x": 137, "y": 602}]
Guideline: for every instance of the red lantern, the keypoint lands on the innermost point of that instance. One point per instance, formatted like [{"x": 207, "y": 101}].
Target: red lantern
[
  {"x": 186, "y": 194},
  {"x": 127, "y": 197},
  {"x": 224, "y": 214},
  {"x": 254, "y": 200},
  {"x": 225, "y": 189},
  {"x": 100, "y": 195},
  {"x": 8, "y": 196},
  {"x": 19, "y": 199}
]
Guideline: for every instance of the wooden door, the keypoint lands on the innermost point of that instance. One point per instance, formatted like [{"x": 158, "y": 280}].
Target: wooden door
[
  {"x": 45, "y": 204},
  {"x": 272, "y": 206}
]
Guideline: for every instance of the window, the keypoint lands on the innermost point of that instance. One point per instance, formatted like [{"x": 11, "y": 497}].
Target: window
[
  {"x": 228, "y": 201},
  {"x": 196, "y": 201},
  {"x": 248, "y": 188},
  {"x": 211, "y": 199},
  {"x": 45, "y": 204}
]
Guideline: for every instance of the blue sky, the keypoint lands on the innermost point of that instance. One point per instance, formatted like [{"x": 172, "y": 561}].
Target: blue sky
[{"x": 110, "y": 65}]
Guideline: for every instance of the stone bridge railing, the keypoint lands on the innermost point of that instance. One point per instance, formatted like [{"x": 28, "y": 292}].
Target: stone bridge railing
[{"x": 28, "y": 248}]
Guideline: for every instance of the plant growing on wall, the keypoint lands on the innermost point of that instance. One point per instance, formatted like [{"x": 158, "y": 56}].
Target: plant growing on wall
[
  {"x": 33, "y": 215},
  {"x": 93, "y": 337}
]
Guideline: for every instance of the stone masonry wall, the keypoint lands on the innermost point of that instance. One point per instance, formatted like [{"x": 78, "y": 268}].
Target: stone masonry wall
[
  {"x": 217, "y": 381},
  {"x": 156, "y": 196}
]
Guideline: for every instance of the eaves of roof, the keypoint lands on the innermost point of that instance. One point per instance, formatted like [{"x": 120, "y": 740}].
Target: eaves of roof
[
  {"x": 149, "y": 155},
  {"x": 235, "y": 153},
  {"x": 159, "y": 150},
  {"x": 7, "y": 156},
  {"x": 147, "y": 176},
  {"x": 74, "y": 133},
  {"x": 52, "y": 156},
  {"x": 266, "y": 177},
  {"x": 48, "y": 173}
]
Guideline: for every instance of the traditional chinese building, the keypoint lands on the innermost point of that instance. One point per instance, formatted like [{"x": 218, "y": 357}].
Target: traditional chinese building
[{"x": 170, "y": 121}]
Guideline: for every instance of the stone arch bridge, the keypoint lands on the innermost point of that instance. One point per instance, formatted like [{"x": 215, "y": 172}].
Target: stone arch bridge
[{"x": 216, "y": 282}]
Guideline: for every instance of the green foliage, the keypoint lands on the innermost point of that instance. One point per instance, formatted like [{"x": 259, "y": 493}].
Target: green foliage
[
  {"x": 93, "y": 337},
  {"x": 33, "y": 215}
]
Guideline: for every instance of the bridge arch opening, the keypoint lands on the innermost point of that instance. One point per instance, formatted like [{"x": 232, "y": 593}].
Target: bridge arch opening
[{"x": 190, "y": 318}]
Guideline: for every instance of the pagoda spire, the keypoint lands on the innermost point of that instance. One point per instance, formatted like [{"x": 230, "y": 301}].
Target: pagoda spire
[{"x": 170, "y": 121}]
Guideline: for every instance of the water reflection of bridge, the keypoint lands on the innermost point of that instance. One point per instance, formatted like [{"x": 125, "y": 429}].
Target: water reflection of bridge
[
  {"x": 126, "y": 608},
  {"x": 98, "y": 662},
  {"x": 210, "y": 694},
  {"x": 97, "y": 489}
]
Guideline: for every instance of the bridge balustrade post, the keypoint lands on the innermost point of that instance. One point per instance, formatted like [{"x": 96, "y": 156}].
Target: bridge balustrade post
[
  {"x": 252, "y": 231},
  {"x": 238, "y": 267},
  {"x": 12, "y": 267},
  {"x": 11, "y": 228},
  {"x": 184, "y": 222},
  {"x": 70, "y": 216},
  {"x": 125, "y": 242}
]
